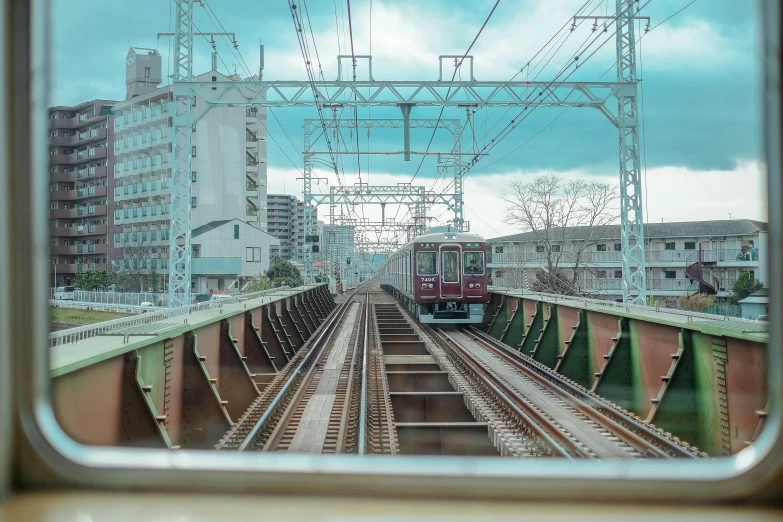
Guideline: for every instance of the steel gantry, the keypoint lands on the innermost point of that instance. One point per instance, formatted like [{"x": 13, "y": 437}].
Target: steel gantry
[{"x": 406, "y": 95}]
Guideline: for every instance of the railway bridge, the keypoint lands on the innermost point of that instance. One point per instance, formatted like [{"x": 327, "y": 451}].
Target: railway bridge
[{"x": 296, "y": 371}]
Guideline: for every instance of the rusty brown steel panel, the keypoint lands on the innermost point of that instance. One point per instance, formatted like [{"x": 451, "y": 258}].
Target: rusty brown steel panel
[
  {"x": 567, "y": 319},
  {"x": 236, "y": 386},
  {"x": 602, "y": 329},
  {"x": 652, "y": 346},
  {"x": 87, "y": 402},
  {"x": 204, "y": 417},
  {"x": 238, "y": 332},
  {"x": 529, "y": 307},
  {"x": 174, "y": 388},
  {"x": 296, "y": 312},
  {"x": 272, "y": 342},
  {"x": 746, "y": 386},
  {"x": 142, "y": 423},
  {"x": 209, "y": 346},
  {"x": 292, "y": 325},
  {"x": 419, "y": 381}
]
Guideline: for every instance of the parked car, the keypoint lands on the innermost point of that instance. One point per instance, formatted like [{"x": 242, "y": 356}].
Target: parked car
[
  {"x": 220, "y": 297},
  {"x": 64, "y": 293},
  {"x": 201, "y": 298},
  {"x": 763, "y": 317},
  {"x": 147, "y": 307}
]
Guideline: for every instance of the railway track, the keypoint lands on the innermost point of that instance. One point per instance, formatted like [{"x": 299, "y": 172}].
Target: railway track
[
  {"x": 375, "y": 381},
  {"x": 313, "y": 404}
]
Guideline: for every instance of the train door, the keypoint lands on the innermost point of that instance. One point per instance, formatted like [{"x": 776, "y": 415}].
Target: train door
[{"x": 450, "y": 270}]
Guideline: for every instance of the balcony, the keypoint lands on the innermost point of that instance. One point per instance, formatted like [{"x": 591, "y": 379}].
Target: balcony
[
  {"x": 78, "y": 231},
  {"x": 62, "y": 213},
  {"x": 146, "y": 189},
  {"x": 82, "y": 193},
  {"x": 76, "y": 250},
  {"x": 142, "y": 214},
  {"x": 215, "y": 265},
  {"x": 62, "y": 123}
]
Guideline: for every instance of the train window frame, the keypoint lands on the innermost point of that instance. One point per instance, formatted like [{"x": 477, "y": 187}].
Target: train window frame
[
  {"x": 418, "y": 263},
  {"x": 465, "y": 263},
  {"x": 46, "y": 456}
]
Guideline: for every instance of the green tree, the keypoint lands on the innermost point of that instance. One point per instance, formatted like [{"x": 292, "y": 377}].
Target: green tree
[
  {"x": 260, "y": 284},
  {"x": 284, "y": 273},
  {"x": 93, "y": 280},
  {"x": 743, "y": 287}
]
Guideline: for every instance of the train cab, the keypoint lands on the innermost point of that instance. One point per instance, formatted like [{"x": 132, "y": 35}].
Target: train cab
[{"x": 450, "y": 281}]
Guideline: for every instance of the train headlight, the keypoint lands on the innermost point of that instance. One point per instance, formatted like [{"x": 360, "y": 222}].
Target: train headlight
[
  {"x": 432, "y": 286},
  {"x": 478, "y": 285},
  {"x": 470, "y": 285}
]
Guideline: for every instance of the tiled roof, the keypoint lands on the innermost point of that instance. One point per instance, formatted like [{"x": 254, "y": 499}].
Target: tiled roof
[{"x": 686, "y": 229}]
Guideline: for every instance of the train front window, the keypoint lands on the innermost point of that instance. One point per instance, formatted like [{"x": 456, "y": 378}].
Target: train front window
[
  {"x": 473, "y": 263},
  {"x": 427, "y": 263},
  {"x": 450, "y": 269}
]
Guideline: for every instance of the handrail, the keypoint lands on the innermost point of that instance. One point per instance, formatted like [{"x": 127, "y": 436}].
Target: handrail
[
  {"x": 364, "y": 399},
  {"x": 750, "y": 324},
  {"x": 74, "y": 335}
]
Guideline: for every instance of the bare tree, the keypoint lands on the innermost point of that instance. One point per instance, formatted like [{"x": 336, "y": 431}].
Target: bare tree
[
  {"x": 550, "y": 208},
  {"x": 135, "y": 270}
]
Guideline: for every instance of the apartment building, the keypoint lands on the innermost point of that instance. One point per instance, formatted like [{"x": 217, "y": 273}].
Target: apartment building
[
  {"x": 228, "y": 173},
  {"x": 285, "y": 221},
  {"x": 78, "y": 188},
  {"x": 681, "y": 258}
]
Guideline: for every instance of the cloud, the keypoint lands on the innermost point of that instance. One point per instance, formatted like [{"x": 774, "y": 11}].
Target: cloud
[{"x": 672, "y": 193}]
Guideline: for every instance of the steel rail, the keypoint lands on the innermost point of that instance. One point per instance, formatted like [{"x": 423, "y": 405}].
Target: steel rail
[
  {"x": 364, "y": 393},
  {"x": 525, "y": 413},
  {"x": 300, "y": 370},
  {"x": 596, "y": 402}
]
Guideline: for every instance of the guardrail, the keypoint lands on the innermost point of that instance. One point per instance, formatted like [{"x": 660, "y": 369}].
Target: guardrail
[
  {"x": 103, "y": 307},
  {"x": 744, "y": 324},
  {"x": 74, "y": 335}
]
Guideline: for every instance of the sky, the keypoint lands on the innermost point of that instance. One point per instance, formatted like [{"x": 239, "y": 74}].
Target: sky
[{"x": 700, "y": 80}]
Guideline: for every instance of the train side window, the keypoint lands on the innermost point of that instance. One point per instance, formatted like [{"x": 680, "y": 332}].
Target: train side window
[
  {"x": 427, "y": 263},
  {"x": 473, "y": 263}
]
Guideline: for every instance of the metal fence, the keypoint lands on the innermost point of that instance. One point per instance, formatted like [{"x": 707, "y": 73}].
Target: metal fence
[
  {"x": 74, "y": 335},
  {"x": 103, "y": 307},
  {"x": 119, "y": 298}
]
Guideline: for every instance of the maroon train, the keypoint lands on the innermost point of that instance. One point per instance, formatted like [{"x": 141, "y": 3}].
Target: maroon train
[{"x": 440, "y": 276}]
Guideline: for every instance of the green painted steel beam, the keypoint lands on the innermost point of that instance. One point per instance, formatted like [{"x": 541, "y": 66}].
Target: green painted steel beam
[
  {"x": 546, "y": 349},
  {"x": 516, "y": 327},
  {"x": 615, "y": 381},
  {"x": 534, "y": 328},
  {"x": 678, "y": 408},
  {"x": 575, "y": 361},
  {"x": 498, "y": 323}
]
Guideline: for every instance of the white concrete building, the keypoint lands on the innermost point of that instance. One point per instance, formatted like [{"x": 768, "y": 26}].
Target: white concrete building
[
  {"x": 228, "y": 173},
  {"x": 682, "y": 258},
  {"x": 227, "y": 253}
]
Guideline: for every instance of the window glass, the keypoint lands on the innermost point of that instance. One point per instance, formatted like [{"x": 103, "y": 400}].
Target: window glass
[
  {"x": 450, "y": 268},
  {"x": 427, "y": 263},
  {"x": 473, "y": 263}
]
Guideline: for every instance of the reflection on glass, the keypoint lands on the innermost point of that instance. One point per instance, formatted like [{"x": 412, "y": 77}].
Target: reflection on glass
[
  {"x": 473, "y": 263},
  {"x": 450, "y": 269},
  {"x": 427, "y": 263}
]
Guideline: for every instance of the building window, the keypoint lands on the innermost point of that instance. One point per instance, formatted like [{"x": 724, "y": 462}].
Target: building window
[
  {"x": 601, "y": 274},
  {"x": 193, "y": 151},
  {"x": 539, "y": 248},
  {"x": 236, "y": 231},
  {"x": 690, "y": 245},
  {"x": 193, "y": 102},
  {"x": 147, "y": 72},
  {"x": 600, "y": 248},
  {"x": 555, "y": 248},
  {"x": 193, "y": 128},
  {"x": 498, "y": 250},
  {"x": 668, "y": 246},
  {"x": 498, "y": 274},
  {"x": 252, "y": 255},
  {"x": 618, "y": 274},
  {"x": 192, "y": 202},
  {"x": 670, "y": 274},
  {"x": 193, "y": 176},
  {"x": 618, "y": 247}
]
